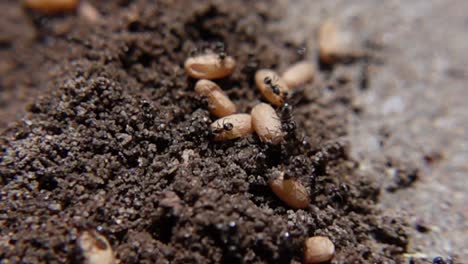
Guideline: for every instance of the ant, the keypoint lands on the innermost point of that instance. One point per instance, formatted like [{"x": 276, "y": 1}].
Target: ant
[
  {"x": 288, "y": 125},
  {"x": 221, "y": 50},
  {"x": 436, "y": 260},
  {"x": 222, "y": 55},
  {"x": 327, "y": 152},
  {"x": 194, "y": 51},
  {"x": 441, "y": 260},
  {"x": 286, "y": 117},
  {"x": 224, "y": 127},
  {"x": 339, "y": 192},
  {"x": 252, "y": 63},
  {"x": 272, "y": 83}
]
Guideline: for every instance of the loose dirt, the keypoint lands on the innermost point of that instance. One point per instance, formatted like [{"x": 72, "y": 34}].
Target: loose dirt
[{"x": 116, "y": 140}]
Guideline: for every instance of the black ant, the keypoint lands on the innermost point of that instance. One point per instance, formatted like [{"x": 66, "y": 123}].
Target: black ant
[
  {"x": 286, "y": 117},
  {"x": 222, "y": 55},
  {"x": 252, "y": 63},
  {"x": 327, "y": 152},
  {"x": 221, "y": 50},
  {"x": 441, "y": 260},
  {"x": 288, "y": 124},
  {"x": 226, "y": 126},
  {"x": 193, "y": 52},
  {"x": 272, "y": 83},
  {"x": 339, "y": 192},
  {"x": 274, "y": 87},
  {"x": 436, "y": 260}
]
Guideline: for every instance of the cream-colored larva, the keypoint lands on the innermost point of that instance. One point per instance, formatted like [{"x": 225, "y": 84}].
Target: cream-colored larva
[
  {"x": 95, "y": 248},
  {"x": 266, "y": 123},
  {"x": 232, "y": 126},
  {"x": 318, "y": 249},
  {"x": 334, "y": 43},
  {"x": 290, "y": 191},
  {"x": 299, "y": 74},
  {"x": 219, "y": 103},
  {"x": 209, "y": 66},
  {"x": 271, "y": 86}
]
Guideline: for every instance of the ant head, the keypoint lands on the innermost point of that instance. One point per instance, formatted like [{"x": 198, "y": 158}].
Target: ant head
[
  {"x": 145, "y": 104},
  {"x": 287, "y": 107},
  {"x": 344, "y": 187},
  {"x": 276, "y": 90},
  {"x": 194, "y": 51},
  {"x": 228, "y": 126},
  {"x": 438, "y": 260},
  {"x": 305, "y": 144},
  {"x": 222, "y": 55}
]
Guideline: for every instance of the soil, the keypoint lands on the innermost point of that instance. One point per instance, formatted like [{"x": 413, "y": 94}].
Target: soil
[
  {"x": 413, "y": 114},
  {"x": 114, "y": 139}
]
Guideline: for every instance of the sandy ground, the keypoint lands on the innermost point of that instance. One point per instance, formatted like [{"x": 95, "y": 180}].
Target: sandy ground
[{"x": 415, "y": 104}]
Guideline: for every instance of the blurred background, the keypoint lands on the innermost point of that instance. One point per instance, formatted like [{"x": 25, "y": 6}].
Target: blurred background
[{"x": 415, "y": 109}]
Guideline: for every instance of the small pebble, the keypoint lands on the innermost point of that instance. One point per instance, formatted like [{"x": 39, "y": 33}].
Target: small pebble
[
  {"x": 96, "y": 249},
  {"x": 232, "y": 126},
  {"x": 290, "y": 191},
  {"x": 55, "y": 207},
  {"x": 318, "y": 249},
  {"x": 219, "y": 103},
  {"x": 275, "y": 98},
  {"x": 51, "y": 6},
  {"x": 209, "y": 66},
  {"x": 299, "y": 74},
  {"x": 266, "y": 123}
]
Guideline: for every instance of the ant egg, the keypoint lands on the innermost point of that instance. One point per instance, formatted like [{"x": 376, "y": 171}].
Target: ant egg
[
  {"x": 299, "y": 74},
  {"x": 209, "y": 66},
  {"x": 318, "y": 249},
  {"x": 290, "y": 191},
  {"x": 266, "y": 123},
  {"x": 51, "y": 6},
  {"x": 96, "y": 249},
  {"x": 267, "y": 90},
  {"x": 232, "y": 126},
  {"x": 219, "y": 103}
]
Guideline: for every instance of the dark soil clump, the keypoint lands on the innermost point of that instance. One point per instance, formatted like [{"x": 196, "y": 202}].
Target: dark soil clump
[{"x": 120, "y": 143}]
